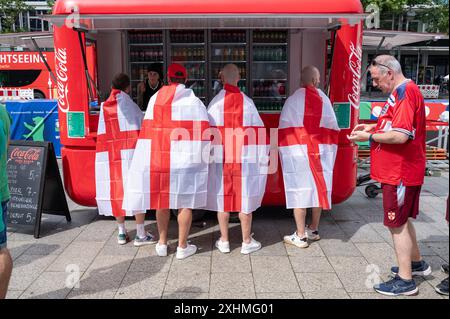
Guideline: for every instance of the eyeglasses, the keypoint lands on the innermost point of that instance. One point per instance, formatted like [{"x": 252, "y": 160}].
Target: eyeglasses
[{"x": 375, "y": 63}]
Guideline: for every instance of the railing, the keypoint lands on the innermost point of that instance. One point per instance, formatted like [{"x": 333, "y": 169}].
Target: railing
[{"x": 16, "y": 94}]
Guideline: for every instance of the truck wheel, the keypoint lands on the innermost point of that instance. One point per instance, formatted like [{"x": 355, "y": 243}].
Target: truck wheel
[
  {"x": 372, "y": 190},
  {"x": 38, "y": 95}
]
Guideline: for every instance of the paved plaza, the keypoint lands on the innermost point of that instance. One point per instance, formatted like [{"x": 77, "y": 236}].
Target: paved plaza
[{"x": 355, "y": 248}]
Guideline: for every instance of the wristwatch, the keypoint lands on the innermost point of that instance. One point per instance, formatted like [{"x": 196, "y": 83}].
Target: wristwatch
[{"x": 371, "y": 138}]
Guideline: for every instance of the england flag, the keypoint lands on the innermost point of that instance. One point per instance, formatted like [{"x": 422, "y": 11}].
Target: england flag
[
  {"x": 170, "y": 164},
  {"x": 118, "y": 131},
  {"x": 238, "y": 172},
  {"x": 308, "y": 138}
]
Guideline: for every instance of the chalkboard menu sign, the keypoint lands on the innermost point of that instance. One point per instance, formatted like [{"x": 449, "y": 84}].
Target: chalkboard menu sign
[
  {"x": 24, "y": 178},
  {"x": 34, "y": 183}
]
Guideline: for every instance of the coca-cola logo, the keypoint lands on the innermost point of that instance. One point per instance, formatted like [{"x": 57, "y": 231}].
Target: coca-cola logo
[
  {"x": 28, "y": 156},
  {"x": 62, "y": 75},
  {"x": 354, "y": 63}
]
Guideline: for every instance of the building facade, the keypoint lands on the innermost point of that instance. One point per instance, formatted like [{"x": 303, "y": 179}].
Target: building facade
[
  {"x": 31, "y": 20},
  {"x": 425, "y": 62}
]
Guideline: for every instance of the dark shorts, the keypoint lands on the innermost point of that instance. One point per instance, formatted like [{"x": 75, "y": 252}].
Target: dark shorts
[
  {"x": 399, "y": 204},
  {"x": 3, "y": 215}
]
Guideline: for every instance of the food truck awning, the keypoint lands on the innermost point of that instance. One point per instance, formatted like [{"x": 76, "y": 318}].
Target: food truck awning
[
  {"x": 24, "y": 40},
  {"x": 200, "y": 14},
  {"x": 387, "y": 39}
]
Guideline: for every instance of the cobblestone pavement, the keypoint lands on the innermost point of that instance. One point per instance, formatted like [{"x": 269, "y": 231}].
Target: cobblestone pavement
[{"x": 354, "y": 248}]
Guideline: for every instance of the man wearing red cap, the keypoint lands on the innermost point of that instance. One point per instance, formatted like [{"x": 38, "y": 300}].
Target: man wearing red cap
[{"x": 168, "y": 170}]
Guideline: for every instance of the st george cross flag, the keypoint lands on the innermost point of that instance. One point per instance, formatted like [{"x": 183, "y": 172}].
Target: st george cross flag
[
  {"x": 118, "y": 131},
  {"x": 308, "y": 138},
  {"x": 170, "y": 164},
  {"x": 239, "y": 164}
]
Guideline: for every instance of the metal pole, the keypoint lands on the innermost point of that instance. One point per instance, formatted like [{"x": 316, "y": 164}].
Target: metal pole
[
  {"x": 418, "y": 65},
  {"x": 44, "y": 60},
  {"x": 379, "y": 45},
  {"x": 328, "y": 86},
  {"x": 83, "y": 53}
]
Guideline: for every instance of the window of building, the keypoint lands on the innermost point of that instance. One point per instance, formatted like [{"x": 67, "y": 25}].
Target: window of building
[
  {"x": 410, "y": 25},
  {"x": 369, "y": 85},
  {"x": 46, "y": 26},
  {"x": 441, "y": 67},
  {"x": 387, "y": 21},
  {"x": 409, "y": 66},
  {"x": 35, "y": 24}
]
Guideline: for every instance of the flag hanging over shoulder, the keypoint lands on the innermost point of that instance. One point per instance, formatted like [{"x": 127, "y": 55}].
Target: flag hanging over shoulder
[
  {"x": 308, "y": 138},
  {"x": 238, "y": 172},
  {"x": 170, "y": 164},
  {"x": 118, "y": 131}
]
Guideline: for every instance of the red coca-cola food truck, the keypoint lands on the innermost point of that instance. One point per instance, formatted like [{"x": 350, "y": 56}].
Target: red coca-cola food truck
[{"x": 270, "y": 41}]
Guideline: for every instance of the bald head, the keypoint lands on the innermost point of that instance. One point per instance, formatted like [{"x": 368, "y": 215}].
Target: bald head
[
  {"x": 230, "y": 74},
  {"x": 310, "y": 76}
]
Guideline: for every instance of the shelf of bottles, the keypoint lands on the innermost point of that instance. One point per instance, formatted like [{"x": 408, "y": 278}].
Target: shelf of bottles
[
  {"x": 145, "y": 48},
  {"x": 189, "y": 49},
  {"x": 228, "y": 47},
  {"x": 269, "y": 69}
]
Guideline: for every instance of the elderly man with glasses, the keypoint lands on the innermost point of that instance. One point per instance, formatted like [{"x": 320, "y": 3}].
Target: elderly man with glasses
[{"x": 398, "y": 163}]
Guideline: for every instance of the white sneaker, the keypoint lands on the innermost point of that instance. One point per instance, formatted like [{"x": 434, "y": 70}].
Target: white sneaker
[
  {"x": 183, "y": 253},
  {"x": 250, "y": 247},
  {"x": 312, "y": 235},
  {"x": 161, "y": 250},
  {"x": 223, "y": 246},
  {"x": 295, "y": 240}
]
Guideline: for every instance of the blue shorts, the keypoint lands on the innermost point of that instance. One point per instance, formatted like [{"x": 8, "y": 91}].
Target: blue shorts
[{"x": 3, "y": 215}]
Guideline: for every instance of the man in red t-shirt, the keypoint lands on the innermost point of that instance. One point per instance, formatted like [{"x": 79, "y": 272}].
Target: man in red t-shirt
[{"x": 398, "y": 163}]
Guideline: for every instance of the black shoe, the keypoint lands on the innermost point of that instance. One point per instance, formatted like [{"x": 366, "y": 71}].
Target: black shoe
[
  {"x": 444, "y": 268},
  {"x": 442, "y": 288}
]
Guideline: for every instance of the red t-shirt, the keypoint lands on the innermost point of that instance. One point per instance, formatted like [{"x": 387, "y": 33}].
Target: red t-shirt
[{"x": 401, "y": 163}]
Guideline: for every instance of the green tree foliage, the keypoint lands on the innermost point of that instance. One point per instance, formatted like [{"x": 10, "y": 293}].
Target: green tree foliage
[
  {"x": 432, "y": 12},
  {"x": 9, "y": 12},
  {"x": 436, "y": 17},
  {"x": 387, "y": 5}
]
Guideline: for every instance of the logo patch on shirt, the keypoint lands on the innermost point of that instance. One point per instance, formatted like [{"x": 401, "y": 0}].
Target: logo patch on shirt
[
  {"x": 391, "y": 215},
  {"x": 391, "y": 100},
  {"x": 385, "y": 108}
]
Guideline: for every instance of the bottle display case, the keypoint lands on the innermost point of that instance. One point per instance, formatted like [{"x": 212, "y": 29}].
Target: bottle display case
[
  {"x": 269, "y": 69},
  {"x": 189, "y": 49},
  {"x": 228, "y": 47},
  {"x": 261, "y": 56},
  {"x": 145, "y": 48}
]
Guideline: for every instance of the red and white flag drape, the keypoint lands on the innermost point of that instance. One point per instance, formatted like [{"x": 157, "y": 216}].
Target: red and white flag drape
[
  {"x": 118, "y": 131},
  {"x": 308, "y": 138},
  {"x": 169, "y": 167},
  {"x": 238, "y": 172}
]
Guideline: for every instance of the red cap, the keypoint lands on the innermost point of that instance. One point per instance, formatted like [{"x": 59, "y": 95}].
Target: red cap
[{"x": 176, "y": 71}]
